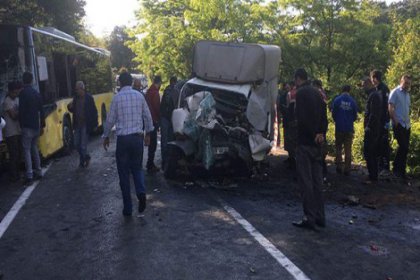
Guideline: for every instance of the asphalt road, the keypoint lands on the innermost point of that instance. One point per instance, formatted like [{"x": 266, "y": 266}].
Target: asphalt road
[{"x": 71, "y": 227}]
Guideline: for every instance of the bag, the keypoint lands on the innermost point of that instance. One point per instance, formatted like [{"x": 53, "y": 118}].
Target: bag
[{"x": 179, "y": 116}]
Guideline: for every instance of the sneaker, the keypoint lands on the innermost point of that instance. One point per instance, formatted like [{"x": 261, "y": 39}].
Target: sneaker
[{"x": 142, "y": 202}]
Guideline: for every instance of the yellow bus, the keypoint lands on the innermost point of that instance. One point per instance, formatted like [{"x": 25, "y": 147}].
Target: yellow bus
[{"x": 57, "y": 62}]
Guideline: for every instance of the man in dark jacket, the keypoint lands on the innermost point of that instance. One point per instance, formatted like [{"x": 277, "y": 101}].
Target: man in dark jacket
[
  {"x": 85, "y": 120},
  {"x": 384, "y": 149},
  {"x": 311, "y": 114},
  {"x": 32, "y": 123},
  {"x": 153, "y": 101},
  {"x": 373, "y": 128},
  {"x": 166, "y": 108}
]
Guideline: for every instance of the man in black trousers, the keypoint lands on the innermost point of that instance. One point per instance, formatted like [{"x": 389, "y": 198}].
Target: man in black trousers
[
  {"x": 373, "y": 128},
  {"x": 311, "y": 114}
]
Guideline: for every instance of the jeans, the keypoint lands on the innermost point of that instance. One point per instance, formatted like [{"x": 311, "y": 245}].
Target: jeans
[
  {"x": 129, "y": 156},
  {"x": 166, "y": 135},
  {"x": 309, "y": 171},
  {"x": 343, "y": 139},
  {"x": 152, "y": 148},
  {"x": 403, "y": 138},
  {"x": 371, "y": 153},
  {"x": 81, "y": 140},
  {"x": 14, "y": 147},
  {"x": 30, "y": 150}
]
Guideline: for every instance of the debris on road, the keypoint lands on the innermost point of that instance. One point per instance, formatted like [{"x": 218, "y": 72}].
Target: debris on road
[
  {"x": 375, "y": 250},
  {"x": 252, "y": 270},
  {"x": 353, "y": 200},
  {"x": 156, "y": 190},
  {"x": 351, "y": 222},
  {"x": 370, "y": 206}
]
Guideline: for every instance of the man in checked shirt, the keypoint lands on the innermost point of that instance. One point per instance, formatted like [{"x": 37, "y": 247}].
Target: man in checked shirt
[{"x": 128, "y": 111}]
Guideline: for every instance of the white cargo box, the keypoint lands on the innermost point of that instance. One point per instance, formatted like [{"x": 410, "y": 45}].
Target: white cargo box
[{"x": 237, "y": 63}]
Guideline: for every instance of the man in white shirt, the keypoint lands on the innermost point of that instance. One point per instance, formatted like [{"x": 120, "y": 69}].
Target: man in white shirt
[
  {"x": 399, "y": 111},
  {"x": 131, "y": 116}
]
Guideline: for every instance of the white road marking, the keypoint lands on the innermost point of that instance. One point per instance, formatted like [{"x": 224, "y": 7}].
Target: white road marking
[
  {"x": 8, "y": 219},
  {"x": 267, "y": 245}
]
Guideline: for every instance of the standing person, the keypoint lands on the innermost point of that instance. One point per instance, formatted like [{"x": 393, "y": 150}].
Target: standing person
[
  {"x": 128, "y": 113},
  {"x": 153, "y": 101},
  {"x": 399, "y": 110},
  {"x": 32, "y": 123},
  {"x": 280, "y": 97},
  {"x": 311, "y": 117},
  {"x": 384, "y": 149},
  {"x": 2, "y": 125},
  {"x": 167, "y": 106},
  {"x": 292, "y": 127},
  {"x": 373, "y": 127},
  {"x": 85, "y": 120},
  {"x": 318, "y": 85},
  {"x": 12, "y": 131},
  {"x": 344, "y": 112},
  {"x": 138, "y": 86}
]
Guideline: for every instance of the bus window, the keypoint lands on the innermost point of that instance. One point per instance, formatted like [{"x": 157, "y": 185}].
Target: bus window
[{"x": 14, "y": 56}]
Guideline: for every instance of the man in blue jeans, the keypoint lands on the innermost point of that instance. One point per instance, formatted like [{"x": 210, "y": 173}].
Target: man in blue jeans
[
  {"x": 129, "y": 111},
  {"x": 85, "y": 120},
  {"x": 32, "y": 123}
]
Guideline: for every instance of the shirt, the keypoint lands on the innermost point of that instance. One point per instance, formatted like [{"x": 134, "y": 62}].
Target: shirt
[
  {"x": 401, "y": 100},
  {"x": 311, "y": 115},
  {"x": 80, "y": 120},
  {"x": 31, "y": 111},
  {"x": 344, "y": 113},
  {"x": 373, "y": 113},
  {"x": 128, "y": 110},
  {"x": 12, "y": 127}
]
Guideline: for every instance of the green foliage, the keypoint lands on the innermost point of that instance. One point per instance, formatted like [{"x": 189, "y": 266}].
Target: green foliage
[
  {"x": 406, "y": 58},
  {"x": 65, "y": 15},
  {"x": 413, "y": 159},
  {"x": 121, "y": 55}
]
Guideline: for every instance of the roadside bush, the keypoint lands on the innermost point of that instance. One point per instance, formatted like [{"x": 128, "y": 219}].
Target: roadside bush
[{"x": 413, "y": 160}]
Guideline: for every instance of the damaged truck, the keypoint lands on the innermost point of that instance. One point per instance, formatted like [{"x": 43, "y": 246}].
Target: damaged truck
[{"x": 224, "y": 121}]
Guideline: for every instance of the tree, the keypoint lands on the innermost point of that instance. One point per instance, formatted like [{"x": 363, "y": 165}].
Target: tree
[
  {"x": 65, "y": 15},
  {"x": 336, "y": 40},
  {"x": 406, "y": 57},
  {"x": 169, "y": 29},
  {"x": 121, "y": 55}
]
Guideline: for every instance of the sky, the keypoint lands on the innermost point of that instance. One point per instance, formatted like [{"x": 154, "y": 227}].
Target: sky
[{"x": 103, "y": 15}]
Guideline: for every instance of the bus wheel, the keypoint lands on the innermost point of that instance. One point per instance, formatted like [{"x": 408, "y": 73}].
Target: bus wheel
[{"x": 68, "y": 139}]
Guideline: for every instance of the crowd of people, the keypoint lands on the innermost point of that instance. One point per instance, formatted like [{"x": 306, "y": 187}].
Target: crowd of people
[
  {"x": 302, "y": 111},
  {"x": 138, "y": 116}
]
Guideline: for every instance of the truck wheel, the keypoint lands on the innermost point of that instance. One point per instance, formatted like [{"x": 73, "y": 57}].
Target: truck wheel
[
  {"x": 174, "y": 154},
  {"x": 68, "y": 139}
]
